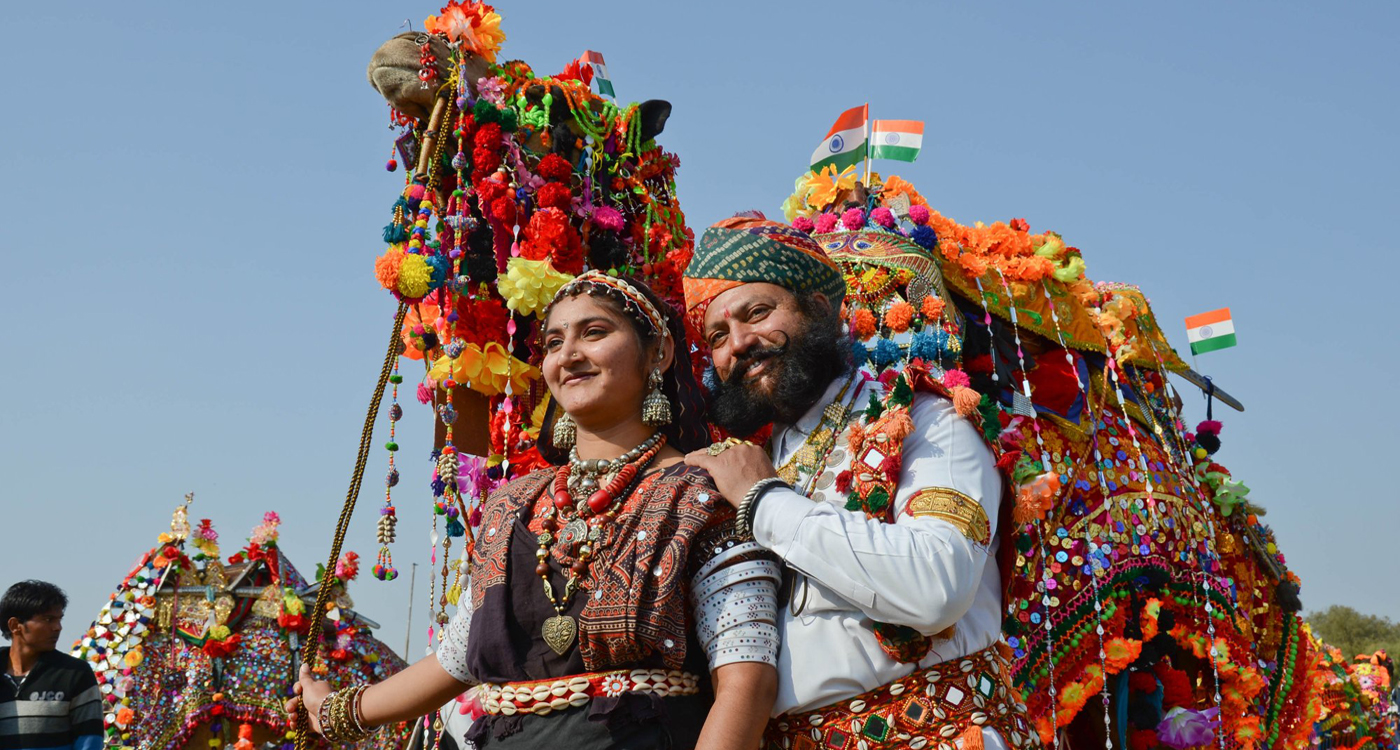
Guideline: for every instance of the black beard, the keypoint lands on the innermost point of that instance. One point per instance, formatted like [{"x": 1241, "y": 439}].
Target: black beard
[{"x": 805, "y": 365}]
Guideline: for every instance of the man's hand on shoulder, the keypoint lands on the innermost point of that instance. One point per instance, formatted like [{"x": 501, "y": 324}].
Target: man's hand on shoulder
[{"x": 736, "y": 468}]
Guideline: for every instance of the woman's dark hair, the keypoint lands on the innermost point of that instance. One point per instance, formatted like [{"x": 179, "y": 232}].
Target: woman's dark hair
[
  {"x": 27, "y": 599},
  {"x": 686, "y": 430}
]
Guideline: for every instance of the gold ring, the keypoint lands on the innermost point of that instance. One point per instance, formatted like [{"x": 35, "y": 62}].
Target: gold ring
[{"x": 717, "y": 448}]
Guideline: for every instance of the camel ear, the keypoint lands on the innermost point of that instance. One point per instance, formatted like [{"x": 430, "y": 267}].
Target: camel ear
[{"x": 654, "y": 114}]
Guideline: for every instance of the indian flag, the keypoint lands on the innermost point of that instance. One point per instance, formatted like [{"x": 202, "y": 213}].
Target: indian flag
[
  {"x": 600, "y": 73},
  {"x": 844, "y": 145},
  {"x": 896, "y": 139},
  {"x": 1210, "y": 331}
]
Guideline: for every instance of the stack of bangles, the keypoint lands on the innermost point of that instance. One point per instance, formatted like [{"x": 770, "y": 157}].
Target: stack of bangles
[{"x": 340, "y": 716}]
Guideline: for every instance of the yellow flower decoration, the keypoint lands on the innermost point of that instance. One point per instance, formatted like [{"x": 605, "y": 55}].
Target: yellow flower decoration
[
  {"x": 485, "y": 370},
  {"x": 824, "y": 187},
  {"x": 796, "y": 204},
  {"x": 133, "y": 657},
  {"x": 414, "y": 276},
  {"x": 219, "y": 632},
  {"x": 529, "y": 285}
]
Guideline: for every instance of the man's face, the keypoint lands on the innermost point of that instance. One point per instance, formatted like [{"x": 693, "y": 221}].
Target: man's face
[
  {"x": 773, "y": 355},
  {"x": 746, "y": 327},
  {"x": 39, "y": 632}
]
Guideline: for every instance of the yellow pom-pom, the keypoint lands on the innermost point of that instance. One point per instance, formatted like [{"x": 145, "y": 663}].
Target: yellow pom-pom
[
  {"x": 1200, "y": 452},
  {"x": 421, "y": 223},
  {"x": 1272, "y": 548},
  {"x": 414, "y": 275}
]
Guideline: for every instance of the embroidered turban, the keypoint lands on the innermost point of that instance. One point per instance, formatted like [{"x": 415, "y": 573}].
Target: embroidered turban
[{"x": 743, "y": 250}]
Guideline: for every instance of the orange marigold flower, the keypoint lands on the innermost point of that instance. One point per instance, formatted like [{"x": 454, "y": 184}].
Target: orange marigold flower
[
  {"x": 899, "y": 316},
  {"x": 1120, "y": 652},
  {"x": 932, "y": 308},
  {"x": 863, "y": 324}
]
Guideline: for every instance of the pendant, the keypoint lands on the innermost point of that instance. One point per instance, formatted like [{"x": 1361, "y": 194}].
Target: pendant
[
  {"x": 574, "y": 532},
  {"x": 559, "y": 632}
]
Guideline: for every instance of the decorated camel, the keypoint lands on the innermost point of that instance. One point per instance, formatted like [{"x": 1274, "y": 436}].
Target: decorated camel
[
  {"x": 1146, "y": 603},
  {"x": 194, "y": 650}
]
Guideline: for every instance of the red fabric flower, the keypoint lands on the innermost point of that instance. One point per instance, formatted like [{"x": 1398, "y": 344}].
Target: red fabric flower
[
  {"x": 488, "y": 190},
  {"x": 1142, "y": 682},
  {"x": 577, "y": 71},
  {"x": 1176, "y": 686},
  {"x": 1020, "y": 225},
  {"x": 553, "y": 167},
  {"x": 503, "y": 210},
  {"x": 220, "y": 649},
  {"x": 549, "y": 235},
  {"x": 481, "y": 321},
  {"x": 555, "y": 195},
  {"x": 843, "y": 482}
]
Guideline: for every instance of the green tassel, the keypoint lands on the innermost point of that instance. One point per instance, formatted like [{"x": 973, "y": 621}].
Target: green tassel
[
  {"x": 878, "y": 500},
  {"x": 903, "y": 395},
  {"x": 394, "y": 233},
  {"x": 875, "y": 409},
  {"x": 853, "y": 501}
]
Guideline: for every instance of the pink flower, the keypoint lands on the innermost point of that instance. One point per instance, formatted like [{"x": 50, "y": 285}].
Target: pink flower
[
  {"x": 883, "y": 216},
  {"x": 956, "y": 379},
  {"x": 803, "y": 224},
  {"x": 1183, "y": 728},
  {"x": 918, "y": 214},
  {"x": 425, "y": 393},
  {"x": 609, "y": 218},
  {"x": 853, "y": 219},
  {"x": 826, "y": 223},
  {"x": 1209, "y": 427}
]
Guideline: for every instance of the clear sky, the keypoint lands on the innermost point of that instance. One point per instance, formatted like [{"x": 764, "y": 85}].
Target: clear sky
[{"x": 192, "y": 196}]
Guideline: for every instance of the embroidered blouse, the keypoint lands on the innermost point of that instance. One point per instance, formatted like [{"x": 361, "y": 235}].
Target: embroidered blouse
[{"x": 672, "y": 586}]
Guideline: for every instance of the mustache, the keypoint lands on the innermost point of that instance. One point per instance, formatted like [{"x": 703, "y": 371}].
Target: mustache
[{"x": 743, "y": 362}]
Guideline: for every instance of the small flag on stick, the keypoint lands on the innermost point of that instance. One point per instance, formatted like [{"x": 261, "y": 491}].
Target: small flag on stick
[
  {"x": 896, "y": 139},
  {"x": 600, "y": 73},
  {"x": 1210, "y": 331},
  {"x": 844, "y": 145}
]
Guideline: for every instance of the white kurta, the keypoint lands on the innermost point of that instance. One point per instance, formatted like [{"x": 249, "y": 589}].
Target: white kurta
[{"x": 924, "y": 572}]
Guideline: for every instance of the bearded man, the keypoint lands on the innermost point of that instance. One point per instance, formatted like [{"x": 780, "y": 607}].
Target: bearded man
[{"x": 892, "y": 634}]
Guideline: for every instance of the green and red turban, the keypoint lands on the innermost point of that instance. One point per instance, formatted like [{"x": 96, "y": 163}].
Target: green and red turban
[{"x": 743, "y": 250}]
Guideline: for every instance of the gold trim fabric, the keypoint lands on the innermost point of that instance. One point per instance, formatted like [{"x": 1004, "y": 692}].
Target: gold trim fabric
[{"x": 947, "y": 504}]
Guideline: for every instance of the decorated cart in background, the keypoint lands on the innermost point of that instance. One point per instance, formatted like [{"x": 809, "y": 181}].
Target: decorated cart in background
[{"x": 197, "y": 651}]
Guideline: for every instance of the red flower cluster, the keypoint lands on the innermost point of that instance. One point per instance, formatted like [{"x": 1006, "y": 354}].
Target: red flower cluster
[
  {"x": 481, "y": 321},
  {"x": 486, "y": 150},
  {"x": 555, "y": 195},
  {"x": 552, "y": 167},
  {"x": 299, "y": 623},
  {"x": 220, "y": 649},
  {"x": 549, "y": 235},
  {"x": 577, "y": 71}
]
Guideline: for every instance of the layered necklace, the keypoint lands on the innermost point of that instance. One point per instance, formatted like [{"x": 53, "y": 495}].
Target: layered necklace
[{"x": 585, "y": 498}]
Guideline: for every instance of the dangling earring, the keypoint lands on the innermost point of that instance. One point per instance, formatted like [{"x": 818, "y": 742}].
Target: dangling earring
[
  {"x": 656, "y": 410},
  {"x": 564, "y": 432}
]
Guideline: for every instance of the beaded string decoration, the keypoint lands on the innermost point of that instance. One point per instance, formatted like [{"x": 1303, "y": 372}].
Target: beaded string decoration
[
  {"x": 1026, "y": 408},
  {"x": 1098, "y": 558},
  {"x": 581, "y": 505},
  {"x": 385, "y": 531}
]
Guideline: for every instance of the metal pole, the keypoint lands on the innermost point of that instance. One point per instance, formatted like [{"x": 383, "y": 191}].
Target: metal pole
[{"x": 408, "y": 628}]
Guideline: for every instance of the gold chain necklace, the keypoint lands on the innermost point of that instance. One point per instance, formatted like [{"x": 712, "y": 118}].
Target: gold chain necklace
[{"x": 808, "y": 458}]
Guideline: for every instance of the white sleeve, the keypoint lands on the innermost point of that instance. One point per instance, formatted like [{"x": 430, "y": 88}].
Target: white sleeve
[
  {"x": 735, "y": 595},
  {"x": 452, "y": 650},
  {"x": 920, "y": 571}
]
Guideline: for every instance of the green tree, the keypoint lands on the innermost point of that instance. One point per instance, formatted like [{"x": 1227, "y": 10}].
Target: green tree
[{"x": 1355, "y": 633}]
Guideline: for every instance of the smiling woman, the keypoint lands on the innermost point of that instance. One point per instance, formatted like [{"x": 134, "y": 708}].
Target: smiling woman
[{"x": 619, "y": 561}]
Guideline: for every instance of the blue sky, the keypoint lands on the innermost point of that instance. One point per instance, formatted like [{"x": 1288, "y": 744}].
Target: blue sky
[{"x": 192, "y": 197}]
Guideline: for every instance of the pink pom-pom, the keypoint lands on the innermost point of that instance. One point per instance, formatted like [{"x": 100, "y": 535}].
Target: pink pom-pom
[
  {"x": 826, "y": 223},
  {"x": 918, "y": 214},
  {"x": 1209, "y": 427},
  {"x": 803, "y": 224},
  {"x": 883, "y": 216},
  {"x": 609, "y": 218},
  {"x": 853, "y": 219},
  {"x": 956, "y": 379},
  {"x": 415, "y": 193}
]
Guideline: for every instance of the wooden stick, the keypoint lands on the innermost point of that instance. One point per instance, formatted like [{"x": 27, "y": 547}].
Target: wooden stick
[{"x": 430, "y": 136}]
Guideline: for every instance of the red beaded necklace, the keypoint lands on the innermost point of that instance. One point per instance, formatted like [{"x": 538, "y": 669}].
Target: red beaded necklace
[{"x": 581, "y": 533}]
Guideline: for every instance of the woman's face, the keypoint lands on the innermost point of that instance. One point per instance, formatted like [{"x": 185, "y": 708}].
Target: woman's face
[{"x": 594, "y": 362}]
